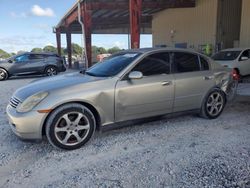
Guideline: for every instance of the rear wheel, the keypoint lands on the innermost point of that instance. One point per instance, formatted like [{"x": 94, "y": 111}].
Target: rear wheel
[
  {"x": 3, "y": 74},
  {"x": 51, "y": 71},
  {"x": 213, "y": 105},
  {"x": 70, "y": 126}
]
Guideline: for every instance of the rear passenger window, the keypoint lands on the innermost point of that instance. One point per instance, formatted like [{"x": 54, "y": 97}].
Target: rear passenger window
[
  {"x": 35, "y": 56},
  {"x": 204, "y": 64},
  {"x": 155, "y": 64},
  {"x": 186, "y": 62}
]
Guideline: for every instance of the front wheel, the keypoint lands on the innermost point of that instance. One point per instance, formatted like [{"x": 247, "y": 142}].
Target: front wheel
[
  {"x": 213, "y": 104},
  {"x": 51, "y": 71},
  {"x": 70, "y": 126},
  {"x": 3, "y": 74}
]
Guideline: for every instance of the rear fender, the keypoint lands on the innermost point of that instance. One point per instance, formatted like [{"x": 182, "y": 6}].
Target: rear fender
[{"x": 226, "y": 83}]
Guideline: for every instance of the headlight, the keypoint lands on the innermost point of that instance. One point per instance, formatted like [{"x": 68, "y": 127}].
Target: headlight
[{"x": 31, "y": 102}]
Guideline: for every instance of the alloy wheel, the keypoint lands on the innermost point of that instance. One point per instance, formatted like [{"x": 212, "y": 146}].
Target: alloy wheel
[
  {"x": 51, "y": 71},
  {"x": 72, "y": 128},
  {"x": 2, "y": 74},
  {"x": 215, "y": 104}
]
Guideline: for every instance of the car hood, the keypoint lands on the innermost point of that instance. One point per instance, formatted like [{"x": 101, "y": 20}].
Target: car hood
[{"x": 53, "y": 83}]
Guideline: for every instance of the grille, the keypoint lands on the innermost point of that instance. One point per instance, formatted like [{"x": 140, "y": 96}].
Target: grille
[{"x": 14, "y": 102}]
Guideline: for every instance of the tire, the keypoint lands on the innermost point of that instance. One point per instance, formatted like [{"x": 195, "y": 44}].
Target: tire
[
  {"x": 70, "y": 126},
  {"x": 51, "y": 71},
  {"x": 3, "y": 74},
  {"x": 213, "y": 105}
]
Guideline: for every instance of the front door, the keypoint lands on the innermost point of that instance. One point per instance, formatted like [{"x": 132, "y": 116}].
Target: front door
[
  {"x": 244, "y": 64},
  {"x": 149, "y": 96},
  {"x": 20, "y": 65}
]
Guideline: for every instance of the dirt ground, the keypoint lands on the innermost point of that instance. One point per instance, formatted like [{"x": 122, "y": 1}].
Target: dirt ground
[{"x": 176, "y": 151}]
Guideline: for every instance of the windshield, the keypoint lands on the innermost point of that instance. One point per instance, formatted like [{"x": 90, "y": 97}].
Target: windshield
[
  {"x": 113, "y": 65},
  {"x": 13, "y": 57},
  {"x": 226, "y": 55}
]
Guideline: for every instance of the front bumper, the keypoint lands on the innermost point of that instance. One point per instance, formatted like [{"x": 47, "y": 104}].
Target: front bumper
[{"x": 27, "y": 126}]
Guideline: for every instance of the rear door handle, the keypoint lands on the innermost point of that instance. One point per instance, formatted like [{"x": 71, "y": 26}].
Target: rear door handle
[
  {"x": 166, "y": 83},
  {"x": 208, "y": 77}
]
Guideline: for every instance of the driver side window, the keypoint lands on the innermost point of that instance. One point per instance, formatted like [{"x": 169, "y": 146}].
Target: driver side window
[
  {"x": 22, "y": 58},
  {"x": 246, "y": 53},
  {"x": 155, "y": 64}
]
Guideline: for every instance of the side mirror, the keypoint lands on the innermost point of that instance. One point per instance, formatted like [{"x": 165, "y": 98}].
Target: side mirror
[
  {"x": 135, "y": 75},
  {"x": 10, "y": 61},
  {"x": 244, "y": 58}
]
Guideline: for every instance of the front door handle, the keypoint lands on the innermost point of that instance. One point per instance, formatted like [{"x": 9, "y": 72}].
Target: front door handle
[{"x": 166, "y": 83}]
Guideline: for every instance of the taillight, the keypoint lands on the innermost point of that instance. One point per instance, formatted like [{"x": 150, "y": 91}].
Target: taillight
[{"x": 235, "y": 75}]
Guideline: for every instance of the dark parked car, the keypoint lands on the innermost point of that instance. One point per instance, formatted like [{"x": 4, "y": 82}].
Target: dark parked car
[{"x": 32, "y": 63}]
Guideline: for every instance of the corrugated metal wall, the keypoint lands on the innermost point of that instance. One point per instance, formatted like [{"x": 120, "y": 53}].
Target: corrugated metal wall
[
  {"x": 228, "y": 24},
  {"x": 195, "y": 26},
  {"x": 245, "y": 24}
]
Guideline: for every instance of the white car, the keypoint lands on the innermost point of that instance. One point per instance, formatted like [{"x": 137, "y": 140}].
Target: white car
[{"x": 235, "y": 58}]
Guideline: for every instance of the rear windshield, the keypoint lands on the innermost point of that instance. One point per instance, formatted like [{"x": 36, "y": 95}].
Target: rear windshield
[{"x": 226, "y": 55}]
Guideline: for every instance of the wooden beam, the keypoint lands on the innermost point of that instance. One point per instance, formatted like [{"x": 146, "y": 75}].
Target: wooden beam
[
  {"x": 162, "y": 4},
  {"x": 58, "y": 41},
  {"x": 114, "y": 21},
  {"x": 87, "y": 20},
  {"x": 147, "y": 4},
  {"x": 73, "y": 16},
  {"x": 69, "y": 46},
  {"x": 135, "y": 7}
]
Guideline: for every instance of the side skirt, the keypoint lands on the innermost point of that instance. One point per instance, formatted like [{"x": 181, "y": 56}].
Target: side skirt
[{"x": 129, "y": 123}]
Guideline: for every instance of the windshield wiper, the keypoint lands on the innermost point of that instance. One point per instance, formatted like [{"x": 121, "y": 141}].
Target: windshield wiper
[
  {"x": 96, "y": 75},
  {"x": 90, "y": 74}
]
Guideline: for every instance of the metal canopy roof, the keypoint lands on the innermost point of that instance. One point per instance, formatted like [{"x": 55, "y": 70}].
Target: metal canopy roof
[{"x": 112, "y": 16}]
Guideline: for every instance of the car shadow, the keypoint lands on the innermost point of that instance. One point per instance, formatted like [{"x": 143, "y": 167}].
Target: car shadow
[{"x": 26, "y": 77}]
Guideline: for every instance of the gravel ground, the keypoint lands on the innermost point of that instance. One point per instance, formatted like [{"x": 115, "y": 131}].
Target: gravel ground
[{"x": 177, "y": 151}]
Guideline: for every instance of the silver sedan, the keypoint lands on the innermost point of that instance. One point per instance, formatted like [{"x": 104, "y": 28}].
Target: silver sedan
[{"x": 129, "y": 85}]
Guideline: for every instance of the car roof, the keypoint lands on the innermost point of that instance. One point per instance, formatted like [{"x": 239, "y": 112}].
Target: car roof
[
  {"x": 41, "y": 53},
  {"x": 147, "y": 50},
  {"x": 34, "y": 53},
  {"x": 235, "y": 49}
]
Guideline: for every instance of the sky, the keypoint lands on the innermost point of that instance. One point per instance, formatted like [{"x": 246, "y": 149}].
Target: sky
[{"x": 26, "y": 24}]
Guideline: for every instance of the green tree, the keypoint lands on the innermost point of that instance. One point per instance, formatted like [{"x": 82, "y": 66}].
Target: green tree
[
  {"x": 63, "y": 51},
  {"x": 4, "y": 54},
  {"x": 76, "y": 49},
  {"x": 49, "y": 48},
  {"x": 102, "y": 50},
  {"x": 114, "y": 50},
  {"x": 37, "y": 50},
  {"x": 94, "y": 49}
]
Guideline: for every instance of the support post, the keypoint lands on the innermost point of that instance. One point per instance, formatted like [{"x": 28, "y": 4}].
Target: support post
[
  {"x": 69, "y": 46},
  {"x": 135, "y": 7},
  {"x": 58, "y": 41},
  {"x": 87, "y": 20}
]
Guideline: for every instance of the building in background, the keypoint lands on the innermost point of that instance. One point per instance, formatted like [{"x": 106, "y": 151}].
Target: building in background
[
  {"x": 204, "y": 25},
  {"x": 217, "y": 23}
]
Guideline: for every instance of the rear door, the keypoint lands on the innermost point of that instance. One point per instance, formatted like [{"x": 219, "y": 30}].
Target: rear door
[
  {"x": 36, "y": 63},
  {"x": 149, "y": 96},
  {"x": 193, "y": 79}
]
